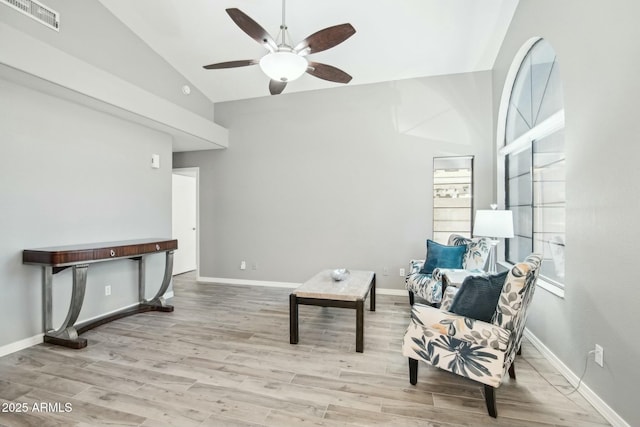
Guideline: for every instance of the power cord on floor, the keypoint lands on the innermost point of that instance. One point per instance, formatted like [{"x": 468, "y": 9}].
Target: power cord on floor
[
  {"x": 584, "y": 372},
  {"x": 586, "y": 365}
]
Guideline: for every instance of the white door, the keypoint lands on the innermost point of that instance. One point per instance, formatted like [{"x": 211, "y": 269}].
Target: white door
[{"x": 184, "y": 216}]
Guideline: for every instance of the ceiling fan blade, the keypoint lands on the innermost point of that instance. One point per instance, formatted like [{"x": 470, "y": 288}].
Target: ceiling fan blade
[
  {"x": 328, "y": 72},
  {"x": 231, "y": 64},
  {"x": 252, "y": 28},
  {"x": 276, "y": 87},
  {"x": 326, "y": 39}
]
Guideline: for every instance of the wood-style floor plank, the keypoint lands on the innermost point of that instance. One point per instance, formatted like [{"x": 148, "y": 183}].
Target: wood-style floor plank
[{"x": 223, "y": 358}]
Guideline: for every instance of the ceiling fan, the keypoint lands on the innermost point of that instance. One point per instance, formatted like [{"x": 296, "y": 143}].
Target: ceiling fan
[{"x": 285, "y": 61}]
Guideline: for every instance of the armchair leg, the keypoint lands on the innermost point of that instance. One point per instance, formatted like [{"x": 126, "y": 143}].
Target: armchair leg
[
  {"x": 413, "y": 371},
  {"x": 512, "y": 370},
  {"x": 411, "y": 298},
  {"x": 490, "y": 400},
  {"x": 519, "y": 353}
]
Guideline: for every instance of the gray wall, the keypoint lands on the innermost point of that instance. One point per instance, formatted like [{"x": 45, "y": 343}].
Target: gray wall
[
  {"x": 70, "y": 175},
  {"x": 90, "y": 32},
  {"x": 599, "y": 55},
  {"x": 336, "y": 178}
]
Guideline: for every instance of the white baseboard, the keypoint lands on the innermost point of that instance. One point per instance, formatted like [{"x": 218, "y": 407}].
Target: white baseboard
[
  {"x": 37, "y": 339},
  {"x": 393, "y": 292},
  {"x": 600, "y": 405},
  {"x": 246, "y": 282},
  {"x": 20, "y": 345}
]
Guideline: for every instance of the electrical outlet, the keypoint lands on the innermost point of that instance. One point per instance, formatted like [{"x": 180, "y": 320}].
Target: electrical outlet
[
  {"x": 385, "y": 271},
  {"x": 599, "y": 355},
  {"x": 254, "y": 266},
  {"x": 402, "y": 272},
  {"x": 243, "y": 265},
  {"x": 107, "y": 290}
]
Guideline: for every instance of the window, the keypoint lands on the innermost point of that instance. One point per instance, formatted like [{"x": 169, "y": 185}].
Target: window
[
  {"x": 533, "y": 159},
  {"x": 452, "y": 197}
]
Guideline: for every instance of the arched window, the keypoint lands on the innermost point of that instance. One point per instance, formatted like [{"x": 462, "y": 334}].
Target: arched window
[{"x": 532, "y": 162}]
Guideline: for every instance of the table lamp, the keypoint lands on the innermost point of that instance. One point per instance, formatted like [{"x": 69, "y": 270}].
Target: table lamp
[{"x": 495, "y": 225}]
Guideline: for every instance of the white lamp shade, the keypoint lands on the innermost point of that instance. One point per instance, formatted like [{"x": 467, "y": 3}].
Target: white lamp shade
[
  {"x": 283, "y": 66},
  {"x": 493, "y": 223}
]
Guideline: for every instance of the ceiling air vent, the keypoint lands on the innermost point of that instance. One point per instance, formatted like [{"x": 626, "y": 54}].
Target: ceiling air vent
[{"x": 36, "y": 10}]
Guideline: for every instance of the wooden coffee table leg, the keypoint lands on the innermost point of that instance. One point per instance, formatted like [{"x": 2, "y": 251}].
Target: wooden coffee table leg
[
  {"x": 360, "y": 326},
  {"x": 293, "y": 319},
  {"x": 372, "y": 294}
]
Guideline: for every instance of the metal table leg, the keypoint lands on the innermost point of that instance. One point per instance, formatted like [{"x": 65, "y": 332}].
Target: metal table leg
[
  {"x": 157, "y": 302},
  {"x": 67, "y": 335}
]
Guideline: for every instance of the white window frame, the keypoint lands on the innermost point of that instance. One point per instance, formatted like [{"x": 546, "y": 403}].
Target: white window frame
[{"x": 553, "y": 124}]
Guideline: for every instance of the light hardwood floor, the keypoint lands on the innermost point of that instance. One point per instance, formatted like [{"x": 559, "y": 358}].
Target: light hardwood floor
[{"x": 223, "y": 358}]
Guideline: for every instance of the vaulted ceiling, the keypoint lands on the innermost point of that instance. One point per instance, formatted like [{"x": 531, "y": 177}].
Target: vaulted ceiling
[{"x": 394, "y": 40}]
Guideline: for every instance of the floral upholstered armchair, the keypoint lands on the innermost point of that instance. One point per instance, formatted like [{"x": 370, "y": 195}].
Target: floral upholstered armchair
[
  {"x": 429, "y": 286},
  {"x": 481, "y": 351}
]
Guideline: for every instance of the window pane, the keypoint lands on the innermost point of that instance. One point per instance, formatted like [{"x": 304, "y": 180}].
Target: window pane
[
  {"x": 518, "y": 248},
  {"x": 519, "y": 163},
  {"x": 542, "y": 64},
  {"x": 452, "y": 196},
  {"x": 522, "y": 220},
  {"x": 535, "y": 177},
  {"x": 452, "y": 214},
  {"x": 553, "y": 143},
  {"x": 443, "y": 236},
  {"x": 451, "y": 226},
  {"x": 516, "y": 124},
  {"x": 552, "y": 102},
  {"x": 552, "y": 172},
  {"x": 550, "y": 219},
  {"x": 549, "y": 193},
  {"x": 551, "y": 245},
  {"x": 550, "y": 198},
  {"x": 519, "y": 191},
  {"x": 521, "y": 93},
  {"x": 536, "y": 93}
]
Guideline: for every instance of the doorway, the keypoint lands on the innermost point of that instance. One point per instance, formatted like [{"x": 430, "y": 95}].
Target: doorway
[{"x": 185, "y": 219}]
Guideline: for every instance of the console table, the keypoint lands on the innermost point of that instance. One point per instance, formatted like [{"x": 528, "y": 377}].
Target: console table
[{"x": 78, "y": 257}]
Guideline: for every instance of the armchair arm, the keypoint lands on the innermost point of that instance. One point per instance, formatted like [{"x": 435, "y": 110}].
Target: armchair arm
[
  {"x": 415, "y": 265},
  {"x": 437, "y": 273},
  {"x": 460, "y": 327},
  {"x": 455, "y": 276},
  {"x": 451, "y": 279},
  {"x": 448, "y": 294}
]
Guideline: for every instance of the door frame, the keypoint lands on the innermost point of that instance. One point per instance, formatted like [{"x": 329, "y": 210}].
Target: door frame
[{"x": 193, "y": 172}]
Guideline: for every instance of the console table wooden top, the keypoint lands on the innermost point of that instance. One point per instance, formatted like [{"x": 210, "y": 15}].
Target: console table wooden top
[{"x": 58, "y": 256}]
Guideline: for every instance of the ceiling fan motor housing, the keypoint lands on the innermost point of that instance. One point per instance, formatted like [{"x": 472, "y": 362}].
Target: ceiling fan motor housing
[{"x": 283, "y": 65}]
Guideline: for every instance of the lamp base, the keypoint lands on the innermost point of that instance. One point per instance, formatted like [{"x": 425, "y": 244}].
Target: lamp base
[{"x": 491, "y": 267}]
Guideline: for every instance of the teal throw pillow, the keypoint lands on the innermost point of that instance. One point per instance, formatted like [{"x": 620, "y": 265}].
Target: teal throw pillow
[
  {"x": 478, "y": 296},
  {"x": 442, "y": 256}
]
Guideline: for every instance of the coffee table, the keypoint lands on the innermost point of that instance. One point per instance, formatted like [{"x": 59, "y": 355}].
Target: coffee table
[{"x": 322, "y": 290}]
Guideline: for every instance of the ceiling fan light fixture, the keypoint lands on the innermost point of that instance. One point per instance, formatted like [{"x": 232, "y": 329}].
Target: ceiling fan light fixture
[
  {"x": 285, "y": 63},
  {"x": 283, "y": 66}
]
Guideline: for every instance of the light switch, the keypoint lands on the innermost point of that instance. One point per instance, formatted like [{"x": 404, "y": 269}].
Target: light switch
[{"x": 155, "y": 161}]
